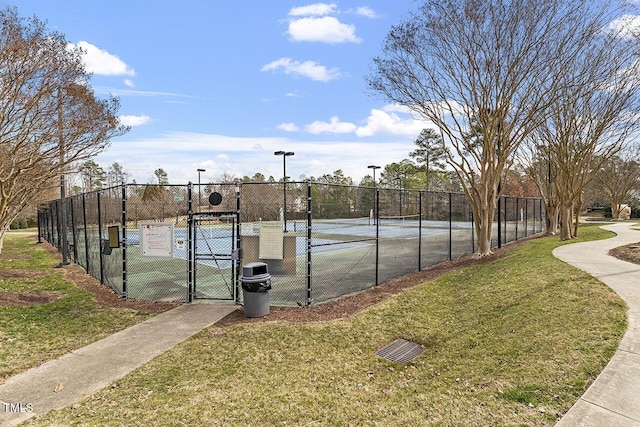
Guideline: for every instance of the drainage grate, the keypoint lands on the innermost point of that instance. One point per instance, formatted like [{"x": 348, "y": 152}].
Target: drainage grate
[{"x": 400, "y": 351}]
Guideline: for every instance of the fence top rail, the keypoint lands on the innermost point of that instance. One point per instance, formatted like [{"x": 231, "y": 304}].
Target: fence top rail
[{"x": 307, "y": 182}]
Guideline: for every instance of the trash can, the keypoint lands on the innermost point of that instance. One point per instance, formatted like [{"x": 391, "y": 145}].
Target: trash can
[{"x": 256, "y": 283}]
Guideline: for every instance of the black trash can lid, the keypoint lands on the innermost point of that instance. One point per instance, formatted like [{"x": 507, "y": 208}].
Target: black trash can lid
[
  {"x": 255, "y": 269},
  {"x": 255, "y": 279}
]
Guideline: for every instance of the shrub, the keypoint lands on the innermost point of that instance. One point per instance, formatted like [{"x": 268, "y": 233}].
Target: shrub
[{"x": 18, "y": 223}]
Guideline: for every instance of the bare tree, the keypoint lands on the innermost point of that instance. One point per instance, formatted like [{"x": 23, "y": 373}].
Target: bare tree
[
  {"x": 538, "y": 166},
  {"x": 49, "y": 116},
  {"x": 487, "y": 65},
  {"x": 619, "y": 178},
  {"x": 590, "y": 119}
]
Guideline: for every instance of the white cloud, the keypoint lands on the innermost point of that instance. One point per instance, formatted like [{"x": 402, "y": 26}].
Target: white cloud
[
  {"x": 129, "y": 83},
  {"x": 334, "y": 126},
  {"x": 389, "y": 120},
  {"x": 309, "y": 69},
  {"x": 366, "y": 12},
  {"x": 134, "y": 120},
  {"x": 326, "y": 29},
  {"x": 288, "y": 127},
  {"x": 180, "y": 154},
  {"x": 101, "y": 62},
  {"x": 316, "y": 9},
  {"x": 381, "y": 122},
  {"x": 626, "y": 25},
  {"x": 131, "y": 92}
]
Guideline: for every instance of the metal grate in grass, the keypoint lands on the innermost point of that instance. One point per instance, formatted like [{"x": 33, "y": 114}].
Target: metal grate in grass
[{"x": 400, "y": 351}]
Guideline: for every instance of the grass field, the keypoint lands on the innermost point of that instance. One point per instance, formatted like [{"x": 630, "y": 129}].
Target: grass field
[
  {"x": 31, "y": 335},
  {"x": 512, "y": 341}
]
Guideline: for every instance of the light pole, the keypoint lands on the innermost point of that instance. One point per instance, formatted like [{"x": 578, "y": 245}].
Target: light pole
[
  {"x": 63, "y": 196},
  {"x": 399, "y": 178},
  {"x": 199, "y": 189},
  {"x": 375, "y": 213},
  {"x": 374, "y": 167},
  {"x": 284, "y": 155}
]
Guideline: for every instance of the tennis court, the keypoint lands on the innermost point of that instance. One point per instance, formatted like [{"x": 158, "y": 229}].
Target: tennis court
[{"x": 335, "y": 240}]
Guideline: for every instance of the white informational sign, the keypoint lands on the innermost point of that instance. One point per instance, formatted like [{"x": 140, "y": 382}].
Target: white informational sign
[
  {"x": 180, "y": 244},
  {"x": 156, "y": 239},
  {"x": 271, "y": 244}
]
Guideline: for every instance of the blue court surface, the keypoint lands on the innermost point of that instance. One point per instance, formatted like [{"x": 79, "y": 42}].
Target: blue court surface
[{"x": 326, "y": 235}]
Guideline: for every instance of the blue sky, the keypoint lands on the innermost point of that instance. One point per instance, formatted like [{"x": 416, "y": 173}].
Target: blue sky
[{"x": 221, "y": 85}]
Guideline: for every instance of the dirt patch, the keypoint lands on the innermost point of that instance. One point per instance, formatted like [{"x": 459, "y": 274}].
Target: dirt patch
[
  {"x": 23, "y": 299},
  {"x": 629, "y": 253},
  {"x": 106, "y": 297},
  {"x": 14, "y": 253},
  {"x": 16, "y": 273},
  {"x": 14, "y": 256}
]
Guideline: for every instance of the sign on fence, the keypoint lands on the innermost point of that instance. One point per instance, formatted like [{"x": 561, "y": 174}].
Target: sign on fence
[
  {"x": 271, "y": 244},
  {"x": 156, "y": 239}
]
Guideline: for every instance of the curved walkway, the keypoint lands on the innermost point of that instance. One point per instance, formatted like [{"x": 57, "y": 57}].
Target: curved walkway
[
  {"x": 74, "y": 376},
  {"x": 614, "y": 397}
]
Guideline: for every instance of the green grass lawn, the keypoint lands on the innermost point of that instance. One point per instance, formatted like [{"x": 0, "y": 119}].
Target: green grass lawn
[
  {"x": 34, "y": 334},
  {"x": 512, "y": 341}
]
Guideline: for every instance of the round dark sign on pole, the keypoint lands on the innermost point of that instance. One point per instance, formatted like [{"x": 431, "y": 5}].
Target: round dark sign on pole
[{"x": 215, "y": 198}]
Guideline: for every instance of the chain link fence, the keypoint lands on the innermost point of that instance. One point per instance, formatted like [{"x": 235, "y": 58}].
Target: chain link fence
[{"x": 321, "y": 241}]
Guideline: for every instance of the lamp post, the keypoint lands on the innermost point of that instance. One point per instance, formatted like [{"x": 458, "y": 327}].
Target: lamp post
[
  {"x": 374, "y": 167},
  {"x": 199, "y": 189},
  {"x": 63, "y": 196},
  {"x": 284, "y": 155},
  {"x": 399, "y": 178},
  {"x": 375, "y": 213}
]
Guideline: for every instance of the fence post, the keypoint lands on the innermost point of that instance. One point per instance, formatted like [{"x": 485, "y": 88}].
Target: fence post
[
  {"x": 39, "y": 216},
  {"x": 506, "y": 219},
  {"x": 526, "y": 217},
  {"x": 309, "y": 255},
  {"x": 100, "y": 238},
  {"x": 420, "y": 231},
  {"x": 473, "y": 232},
  {"x": 73, "y": 230},
  {"x": 124, "y": 241},
  {"x": 450, "y": 229},
  {"x": 54, "y": 224},
  {"x": 59, "y": 234},
  {"x": 86, "y": 237},
  {"x": 499, "y": 222},
  {"x": 189, "y": 243},
  {"x": 377, "y": 216},
  {"x": 517, "y": 216},
  {"x": 238, "y": 257}
]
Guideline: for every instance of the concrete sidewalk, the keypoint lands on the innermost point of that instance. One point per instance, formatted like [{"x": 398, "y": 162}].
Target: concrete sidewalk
[
  {"x": 614, "y": 397},
  {"x": 91, "y": 368}
]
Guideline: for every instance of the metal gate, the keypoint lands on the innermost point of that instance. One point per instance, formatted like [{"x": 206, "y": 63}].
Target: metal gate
[{"x": 213, "y": 256}]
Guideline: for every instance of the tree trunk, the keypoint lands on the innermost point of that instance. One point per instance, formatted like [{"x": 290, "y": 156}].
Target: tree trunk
[
  {"x": 566, "y": 221},
  {"x": 551, "y": 217},
  {"x": 484, "y": 227},
  {"x": 576, "y": 223},
  {"x": 615, "y": 209},
  {"x": 484, "y": 240}
]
